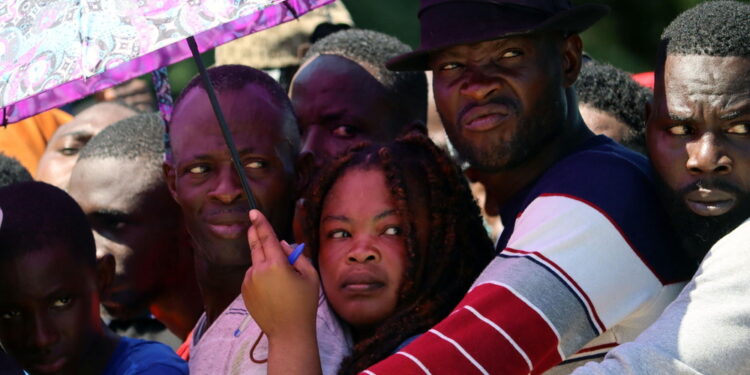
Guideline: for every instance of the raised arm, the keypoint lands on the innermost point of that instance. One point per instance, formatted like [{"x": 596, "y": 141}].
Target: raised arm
[{"x": 283, "y": 300}]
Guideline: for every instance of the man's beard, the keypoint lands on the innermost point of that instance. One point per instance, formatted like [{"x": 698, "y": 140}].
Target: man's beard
[
  {"x": 697, "y": 233},
  {"x": 542, "y": 124}
]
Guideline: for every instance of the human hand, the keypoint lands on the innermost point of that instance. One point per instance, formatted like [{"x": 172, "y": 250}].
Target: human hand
[{"x": 282, "y": 298}]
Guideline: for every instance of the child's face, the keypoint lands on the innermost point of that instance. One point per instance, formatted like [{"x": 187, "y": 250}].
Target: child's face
[
  {"x": 49, "y": 310},
  {"x": 362, "y": 248}
]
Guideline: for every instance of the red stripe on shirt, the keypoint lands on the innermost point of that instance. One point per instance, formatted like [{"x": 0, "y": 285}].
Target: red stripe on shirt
[
  {"x": 531, "y": 332},
  {"x": 396, "y": 364},
  {"x": 481, "y": 341},
  {"x": 571, "y": 282}
]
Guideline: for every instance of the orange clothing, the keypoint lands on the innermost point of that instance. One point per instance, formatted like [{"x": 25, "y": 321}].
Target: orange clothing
[
  {"x": 184, "y": 350},
  {"x": 26, "y": 140}
]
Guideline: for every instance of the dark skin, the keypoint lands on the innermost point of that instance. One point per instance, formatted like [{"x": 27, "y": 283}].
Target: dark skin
[
  {"x": 49, "y": 315},
  {"x": 698, "y": 137},
  {"x": 204, "y": 183},
  {"x": 339, "y": 104},
  {"x": 508, "y": 108},
  {"x": 135, "y": 219},
  {"x": 58, "y": 159}
]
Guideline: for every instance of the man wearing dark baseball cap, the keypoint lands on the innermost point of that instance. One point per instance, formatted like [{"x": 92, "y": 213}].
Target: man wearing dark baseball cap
[{"x": 587, "y": 258}]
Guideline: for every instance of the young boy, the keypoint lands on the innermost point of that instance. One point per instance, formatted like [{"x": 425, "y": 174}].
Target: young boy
[{"x": 50, "y": 283}]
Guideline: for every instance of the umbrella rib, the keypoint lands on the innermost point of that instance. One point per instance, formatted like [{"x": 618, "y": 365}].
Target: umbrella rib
[{"x": 222, "y": 122}]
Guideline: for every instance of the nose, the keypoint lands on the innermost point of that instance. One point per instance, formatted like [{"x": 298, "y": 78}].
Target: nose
[
  {"x": 363, "y": 252},
  {"x": 707, "y": 155},
  {"x": 313, "y": 144},
  {"x": 43, "y": 334},
  {"x": 479, "y": 84},
  {"x": 227, "y": 188}
]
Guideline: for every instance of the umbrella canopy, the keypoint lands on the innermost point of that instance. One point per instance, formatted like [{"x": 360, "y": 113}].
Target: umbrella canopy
[{"x": 57, "y": 51}]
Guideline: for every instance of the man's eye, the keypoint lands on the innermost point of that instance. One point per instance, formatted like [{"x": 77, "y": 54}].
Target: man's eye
[
  {"x": 344, "y": 131},
  {"x": 339, "y": 234},
  {"x": 12, "y": 314},
  {"x": 511, "y": 53},
  {"x": 392, "y": 231},
  {"x": 197, "y": 169},
  {"x": 61, "y": 302},
  {"x": 741, "y": 129},
  {"x": 679, "y": 130},
  {"x": 448, "y": 66},
  {"x": 69, "y": 151},
  {"x": 256, "y": 164}
]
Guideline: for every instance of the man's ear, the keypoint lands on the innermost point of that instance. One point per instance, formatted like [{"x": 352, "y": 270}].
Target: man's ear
[
  {"x": 170, "y": 178},
  {"x": 105, "y": 273},
  {"x": 572, "y": 58}
]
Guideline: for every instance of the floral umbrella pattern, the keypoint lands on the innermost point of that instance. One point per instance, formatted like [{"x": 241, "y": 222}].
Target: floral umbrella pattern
[{"x": 55, "y": 51}]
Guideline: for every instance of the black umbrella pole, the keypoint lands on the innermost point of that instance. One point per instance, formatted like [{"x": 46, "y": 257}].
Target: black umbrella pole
[{"x": 222, "y": 122}]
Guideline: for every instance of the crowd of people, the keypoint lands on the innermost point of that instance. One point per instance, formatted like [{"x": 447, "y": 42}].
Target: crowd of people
[{"x": 128, "y": 249}]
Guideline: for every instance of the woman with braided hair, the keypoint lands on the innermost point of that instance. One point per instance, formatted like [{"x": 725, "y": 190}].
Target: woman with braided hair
[{"x": 397, "y": 239}]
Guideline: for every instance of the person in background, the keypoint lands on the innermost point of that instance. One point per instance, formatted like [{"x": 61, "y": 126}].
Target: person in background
[
  {"x": 50, "y": 283},
  {"x": 699, "y": 141},
  {"x": 61, "y": 152},
  {"x": 202, "y": 180},
  {"x": 11, "y": 171},
  {"x": 27, "y": 139},
  {"x": 612, "y": 103},
  {"x": 118, "y": 182}
]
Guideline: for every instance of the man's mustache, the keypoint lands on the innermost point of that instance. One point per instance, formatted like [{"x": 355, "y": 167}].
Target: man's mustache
[{"x": 711, "y": 184}]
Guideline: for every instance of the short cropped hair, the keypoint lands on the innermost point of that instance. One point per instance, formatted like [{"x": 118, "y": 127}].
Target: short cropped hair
[
  {"x": 611, "y": 90},
  {"x": 138, "y": 136},
  {"x": 714, "y": 28},
  {"x": 35, "y": 215},
  {"x": 371, "y": 50},
  {"x": 235, "y": 77},
  {"x": 11, "y": 171}
]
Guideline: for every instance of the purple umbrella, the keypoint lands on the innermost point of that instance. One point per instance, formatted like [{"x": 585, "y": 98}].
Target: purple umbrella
[{"x": 57, "y": 51}]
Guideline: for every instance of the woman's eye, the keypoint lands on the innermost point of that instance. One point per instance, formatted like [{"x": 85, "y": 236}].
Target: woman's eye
[
  {"x": 679, "y": 130},
  {"x": 339, "y": 234},
  {"x": 256, "y": 164},
  {"x": 344, "y": 131},
  {"x": 61, "y": 302},
  {"x": 392, "y": 231},
  {"x": 12, "y": 314},
  {"x": 741, "y": 129}
]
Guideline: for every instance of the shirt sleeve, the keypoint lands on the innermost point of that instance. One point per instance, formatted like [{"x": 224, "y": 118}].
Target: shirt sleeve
[
  {"x": 567, "y": 274},
  {"x": 706, "y": 330}
]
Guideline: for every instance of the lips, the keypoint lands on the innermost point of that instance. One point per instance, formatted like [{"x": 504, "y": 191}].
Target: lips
[
  {"x": 485, "y": 117},
  {"x": 48, "y": 366},
  {"x": 229, "y": 224},
  {"x": 362, "y": 283},
  {"x": 710, "y": 202}
]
